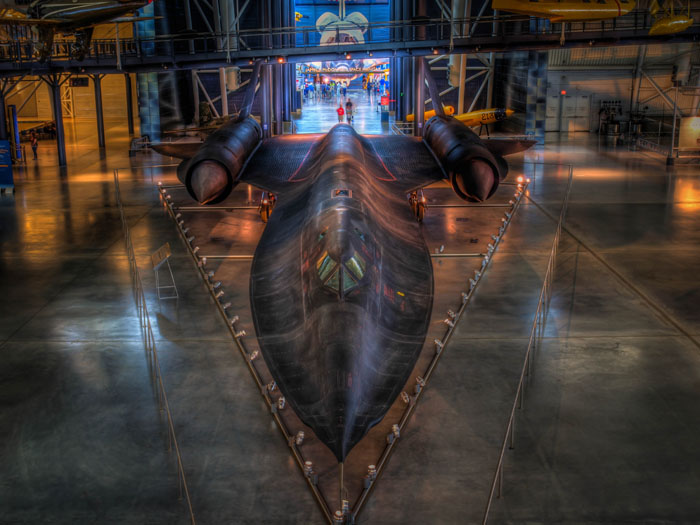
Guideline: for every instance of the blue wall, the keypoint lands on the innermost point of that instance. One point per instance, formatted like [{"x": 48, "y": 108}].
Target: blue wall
[{"x": 359, "y": 14}]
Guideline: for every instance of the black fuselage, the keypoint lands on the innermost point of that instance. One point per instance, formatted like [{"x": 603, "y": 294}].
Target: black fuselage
[{"x": 341, "y": 290}]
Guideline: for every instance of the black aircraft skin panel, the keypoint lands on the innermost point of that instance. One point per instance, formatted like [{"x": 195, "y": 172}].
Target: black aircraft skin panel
[
  {"x": 341, "y": 290},
  {"x": 341, "y": 284}
]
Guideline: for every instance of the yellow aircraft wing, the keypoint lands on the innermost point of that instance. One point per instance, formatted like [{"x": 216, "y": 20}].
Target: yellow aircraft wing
[
  {"x": 449, "y": 110},
  {"x": 484, "y": 116},
  {"x": 671, "y": 24}
]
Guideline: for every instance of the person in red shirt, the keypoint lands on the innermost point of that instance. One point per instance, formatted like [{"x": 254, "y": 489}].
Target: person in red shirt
[{"x": 341, "y": 112}]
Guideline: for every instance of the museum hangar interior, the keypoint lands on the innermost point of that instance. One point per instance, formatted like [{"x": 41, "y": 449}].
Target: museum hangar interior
[{"x": 350, "y": 261}]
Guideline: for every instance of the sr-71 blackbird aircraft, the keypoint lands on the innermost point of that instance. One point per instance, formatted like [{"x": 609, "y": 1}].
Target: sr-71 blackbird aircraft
[
  {"x": 341, "y": 284},
  {"x": 77, "y": 18}
]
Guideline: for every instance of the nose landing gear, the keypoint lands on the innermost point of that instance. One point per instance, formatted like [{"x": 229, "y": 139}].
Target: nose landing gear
[
  {"x": 267, "y": 202},
  {"x": 417, "y": 205}
]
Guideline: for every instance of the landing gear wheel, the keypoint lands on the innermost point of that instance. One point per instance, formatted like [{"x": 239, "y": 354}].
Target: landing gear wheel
[
  {"x": 420, "y": 212},
  {"x": 417, "y": 205},
  {"x": 267, "y": 203}
]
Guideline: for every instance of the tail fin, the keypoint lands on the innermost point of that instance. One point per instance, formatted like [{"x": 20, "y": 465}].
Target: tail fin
[
  {"x": 250, "y": 92},
  {"x": 432, "y": 89}
]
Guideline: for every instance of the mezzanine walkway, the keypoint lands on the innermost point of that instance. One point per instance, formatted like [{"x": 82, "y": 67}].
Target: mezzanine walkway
[{"x": 385, "y": 39}]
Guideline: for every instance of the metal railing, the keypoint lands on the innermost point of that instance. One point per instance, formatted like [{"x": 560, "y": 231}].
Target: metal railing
[
  {"x": 536, "y": 333},
  {"x": 238, "y": 336},
  {"x": 151, "y": 351},
  {"x": 415, "y": 33},
  {"x": 440, "y": 344},
  {"x": 402, "y": 128},
  {"x": 411, "y": 400},
  {"x": 653, "y": 146}
]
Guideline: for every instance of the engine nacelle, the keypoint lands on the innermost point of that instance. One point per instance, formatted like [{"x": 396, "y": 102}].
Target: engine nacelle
[
  {"x": 213, "y": 172},
  {"x": 473, "y": 171}
]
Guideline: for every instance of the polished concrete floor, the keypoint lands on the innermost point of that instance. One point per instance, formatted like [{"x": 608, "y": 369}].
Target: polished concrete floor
[
  {"x": 318, "y": 115},
  {"x": 609, "y": 429}
]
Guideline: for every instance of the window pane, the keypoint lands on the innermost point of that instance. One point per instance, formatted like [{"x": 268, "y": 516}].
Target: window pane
[
  {"x": 348, "y": 281},
  {"x": 355, "y": 267},
  {"x": 334, "y": 280},
  {"x": 325, "y": 266}
]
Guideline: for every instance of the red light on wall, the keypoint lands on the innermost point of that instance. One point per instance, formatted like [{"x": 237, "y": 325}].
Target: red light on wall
[{"x": 563, "y": 92}]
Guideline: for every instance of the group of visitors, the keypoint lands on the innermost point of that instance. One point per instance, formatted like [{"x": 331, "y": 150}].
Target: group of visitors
[
  {"x": 325, "y": 90},
  {"x": 378, "y": 87},
  {"x": 346, "y": 113}
]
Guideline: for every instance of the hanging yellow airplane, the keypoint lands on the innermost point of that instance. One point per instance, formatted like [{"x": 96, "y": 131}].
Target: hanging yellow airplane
[
  {"x": 566, "y": 10},
  {"x": 667, "y": 21},
  {"x": 481, "y": 117},
  {"x": 449, "y": 110}
]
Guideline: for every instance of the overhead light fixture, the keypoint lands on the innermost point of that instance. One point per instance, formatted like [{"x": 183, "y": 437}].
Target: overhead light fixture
[
  {"x": 348, "y": 56},
  {"x": 280, "y": 60},
  {"x": 435, "y": 51}
]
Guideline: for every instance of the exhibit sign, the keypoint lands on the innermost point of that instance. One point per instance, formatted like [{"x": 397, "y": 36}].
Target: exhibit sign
[
  {"x": 689, "y": 134},
  {"x": 6, "y": 180}
]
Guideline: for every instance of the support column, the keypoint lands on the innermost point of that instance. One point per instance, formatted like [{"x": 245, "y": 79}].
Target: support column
[
  {"x": 419, "y": 97},
  {"x": 394, "y": 88},
  {"x": 536, "y": 95},
  {"x": 265, "y": 101},
  {"x": 288, "y": 88},
  {"x": 637, "y": 79},
  {"x": 406, "y": 87},
  {"x": 3, "y": 117},
  {"x": 54, "y": 84},
  {"x": 695, "y": 107},
  {"x": 462, "y": 61},
  {"x": 277, "y": 96},
  {"x": 491, "y": 73},
  {"x": 223, "y": 91},
  {"x": 99, "y": 113},
  {"x": 673, "y": 152},
  {"x": 129, "y": 104},
  {"x": 195, "y": 94}
]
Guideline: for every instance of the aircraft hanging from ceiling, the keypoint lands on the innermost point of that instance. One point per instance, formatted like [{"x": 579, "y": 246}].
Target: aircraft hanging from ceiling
[
  {"x": 669, "y": 19},
  {"x": 566, "y": 10},
  {"x": 341, "y": 284},
  {"x": 77, "y": 18}
]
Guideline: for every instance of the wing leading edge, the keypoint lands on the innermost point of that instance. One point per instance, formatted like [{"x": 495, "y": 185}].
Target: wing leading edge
[{"x": 280, "y": 162}]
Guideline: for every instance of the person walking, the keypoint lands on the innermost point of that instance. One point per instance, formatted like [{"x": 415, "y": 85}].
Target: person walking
[
  {"x": 348, "y": 111},
  {"x": 341, "y": 112},
  {"x": 35, "y": 144}
]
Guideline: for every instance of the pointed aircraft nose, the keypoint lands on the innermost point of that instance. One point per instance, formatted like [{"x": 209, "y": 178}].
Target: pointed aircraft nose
[{"x": 208, "y": 181}]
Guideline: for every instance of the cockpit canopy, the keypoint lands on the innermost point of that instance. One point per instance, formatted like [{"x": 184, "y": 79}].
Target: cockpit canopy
[{"x": 342, "y": 277}]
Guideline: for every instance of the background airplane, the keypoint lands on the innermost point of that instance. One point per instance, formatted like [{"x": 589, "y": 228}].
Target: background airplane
[
  {"x": 482, "y": 117},
  {"x": 566, "y": 10},
  {"x": 669, "y": 20},
  {"x": 77, "y": 18}
]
